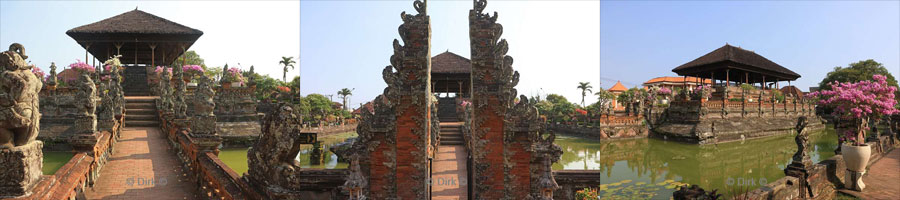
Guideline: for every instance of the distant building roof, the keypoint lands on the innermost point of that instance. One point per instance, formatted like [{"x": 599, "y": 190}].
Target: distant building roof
[
  {"x": 618, "y": 87},
  {"x": 450, "y": 63},
  {"x": 679, "y": 80},
  {"x": 731, "y": 57},
  {"x": 792, "y": 90}
]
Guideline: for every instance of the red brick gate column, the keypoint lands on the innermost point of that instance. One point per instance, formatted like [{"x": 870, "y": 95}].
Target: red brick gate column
[
  {"x": 396, "y": 139},
  {"x": 511, "y": 158}
]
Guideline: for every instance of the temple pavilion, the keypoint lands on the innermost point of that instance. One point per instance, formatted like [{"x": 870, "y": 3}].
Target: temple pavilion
[
  {"x": 450, "y": 79},
  {"x": 733, "y": 65},
  {"x": 144, "y": 40}
]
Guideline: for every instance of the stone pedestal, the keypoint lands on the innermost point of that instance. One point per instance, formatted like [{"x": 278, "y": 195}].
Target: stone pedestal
[
  {"x": 203, "y": 125},
  {"x": 20, "y": 169},
  {"x": 853, "y": 180},
  {"x": 106, "y": 124},
  {"x": 85, "y": 124},
  {"x": 183, "y": 124}
]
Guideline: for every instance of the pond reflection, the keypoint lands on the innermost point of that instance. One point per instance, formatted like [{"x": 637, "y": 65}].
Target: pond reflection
[
  {"x": 236, "y": 158},
  {"x": 651, "y": 168}
]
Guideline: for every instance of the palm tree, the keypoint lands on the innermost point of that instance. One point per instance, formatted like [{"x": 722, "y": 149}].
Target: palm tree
[
  {"x": 287, "y": 62},
  {"x": 344, "y": 93},
  {"x": 585, "y": 89}
]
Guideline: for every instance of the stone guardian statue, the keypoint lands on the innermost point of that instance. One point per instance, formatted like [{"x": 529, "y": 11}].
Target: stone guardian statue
[{"x": 20, "y": 155}]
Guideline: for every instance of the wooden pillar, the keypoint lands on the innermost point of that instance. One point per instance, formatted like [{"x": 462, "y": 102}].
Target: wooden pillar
[
  {"x": 152, "y": 55},
  {"x": 727, "y": 77},
  {"x": 86, "y": 50},
  {"x": 763, "y": 82},
  {"x": 746, "y": 77}
]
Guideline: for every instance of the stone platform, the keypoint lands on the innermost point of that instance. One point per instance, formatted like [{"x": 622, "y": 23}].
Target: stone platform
[
  {"x": 721, "y": 130},
  {"x": 20, "y": 168}
]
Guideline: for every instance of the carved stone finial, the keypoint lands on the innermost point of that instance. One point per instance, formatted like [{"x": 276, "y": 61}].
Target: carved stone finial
[
  {"x": 204, "y": 122},
  {"x": 52, "y": 80}
]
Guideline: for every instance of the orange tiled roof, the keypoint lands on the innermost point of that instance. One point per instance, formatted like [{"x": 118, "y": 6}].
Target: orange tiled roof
[
  {"x": 671, "y": 79},
  {"x": 618, "y": 87}
]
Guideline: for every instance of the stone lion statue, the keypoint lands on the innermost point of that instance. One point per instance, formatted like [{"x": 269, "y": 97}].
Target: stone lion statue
[{"x": 19, "y": 107}]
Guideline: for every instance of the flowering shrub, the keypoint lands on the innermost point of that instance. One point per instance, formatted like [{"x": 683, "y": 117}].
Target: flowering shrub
[
  {"x": 702, "y": 91},
  {"x": 37, "y": 72},
  {"x": 284, "y": 89},
  {"x": 860, "y": 101},
  {"x": 664, "y": 92},
  {"x": 192, "y": 69},
  {"x": 82, "y": 67},
  {"x": 587, "y": 193},
  {"x": 580, "y": 111}
]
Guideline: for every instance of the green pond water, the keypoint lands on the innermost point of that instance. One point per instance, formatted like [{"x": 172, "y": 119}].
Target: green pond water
[
  {"x": 237, "y": 158},
  {"x": 53, "y": 160},
  {"x": 645, "y": 168},
  {"x": 650, "y": 168}
]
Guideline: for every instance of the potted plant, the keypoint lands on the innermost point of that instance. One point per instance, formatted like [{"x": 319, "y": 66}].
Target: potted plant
[
  {"x": 233, "y": 78},
  {"x": 860, "y": 102},
  {"x": 702, "y": 92}
]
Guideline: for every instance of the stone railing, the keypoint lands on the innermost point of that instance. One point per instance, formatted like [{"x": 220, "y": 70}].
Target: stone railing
[
  {"x": 218, "y": 181},
  {"x": 825, "y": 177},
  {"x": 80, "y": 172}
]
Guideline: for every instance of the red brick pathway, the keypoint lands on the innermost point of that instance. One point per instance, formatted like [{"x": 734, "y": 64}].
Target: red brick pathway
[
  {"x": 143, "y": 166},
  {"x": 449, "y": 173},
  {"x": 883, "y": 178}
]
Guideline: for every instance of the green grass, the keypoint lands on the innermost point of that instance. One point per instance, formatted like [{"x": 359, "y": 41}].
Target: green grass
[{"x": 54, "y": 160}]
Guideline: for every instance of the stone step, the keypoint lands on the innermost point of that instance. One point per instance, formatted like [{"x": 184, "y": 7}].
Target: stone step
[
  {"x": 139, "y": 100},
  {"x": 131, "y": 105},
  {"x": 451, "y": 129},
  {"x": 452, "y": 142},
  {"x": 140, "y": 112},
  {"x": 451, "y": 125},
  {"x": 141, "y": 117},
  {"x": 136, "y": 123}
]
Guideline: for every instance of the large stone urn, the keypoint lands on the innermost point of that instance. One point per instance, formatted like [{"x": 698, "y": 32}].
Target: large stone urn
[{"x": 855, "y": 158}]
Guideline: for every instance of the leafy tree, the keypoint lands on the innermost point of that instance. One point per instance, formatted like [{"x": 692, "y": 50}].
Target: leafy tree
[
  {"x": 561, "y": 107},
  {"x": 190, "y": 58},
  {"x": 287, "y": 62},
  {"x": 265, "y": 85},
  {"x": 214, "y": 73},
  {"x": 604, "y": 98},
  {"x": 319, "y": 105},
  {"x": 858, "y": 71},
  {"x": 585, "y": 88}
]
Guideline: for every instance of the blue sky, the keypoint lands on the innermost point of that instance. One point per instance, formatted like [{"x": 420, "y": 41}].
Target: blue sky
[
  {"x": 646, "y": 39},
  {"x": 245, "y": 32},
  {"x": 346, "y": 44}
]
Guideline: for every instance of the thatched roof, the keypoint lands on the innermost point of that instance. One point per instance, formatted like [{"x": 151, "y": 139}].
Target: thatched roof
[
  {"x": 450, "y": 63},
  {"x": 131, "y": 34},
  {"x": 135, "y": 22},
  {"x": 731, "y": 57}
]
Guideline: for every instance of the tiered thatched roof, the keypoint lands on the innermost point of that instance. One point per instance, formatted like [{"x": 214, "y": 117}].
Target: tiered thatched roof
[
  {"x": 135, "y": 31},
  {"x": 739, "y": 61}
]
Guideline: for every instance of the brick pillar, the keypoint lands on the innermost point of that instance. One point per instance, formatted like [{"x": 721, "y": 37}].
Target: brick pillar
[
  {"x": 508, "y": 148},
  {"x": 396, "y": 137}
]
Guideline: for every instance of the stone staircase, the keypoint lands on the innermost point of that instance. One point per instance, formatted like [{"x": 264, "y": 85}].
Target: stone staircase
[
  {"x": 140, "y": 112},
  {"x": 451, "y": 133},
  {"x": 135, "y": 81},
  {"x": 447, "y": 110}
]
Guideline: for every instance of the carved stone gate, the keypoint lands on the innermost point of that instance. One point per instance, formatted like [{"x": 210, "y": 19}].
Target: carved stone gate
[{"x": 510, "y": 157}]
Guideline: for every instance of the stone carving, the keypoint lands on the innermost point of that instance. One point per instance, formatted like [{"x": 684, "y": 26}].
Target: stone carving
[
  {"x": 204, "y": 122},
  {"x": 19, "y": 102},
  {"x": 694, "y": 192},
  {"x": 105, "y": 118},
  {"x": 272, "y": 159},
  {"x": 52, "y": 79},
  {"x": 801, "y": 164},
  {"x": 86, "y": 102},
  {"x": 115, "y": 86},
  {"x": 356, "y": 180},
  {"x": 180, "y": 107},
  {"x": 165, "y": 91},
  {"x": 20, "y": 155}
]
